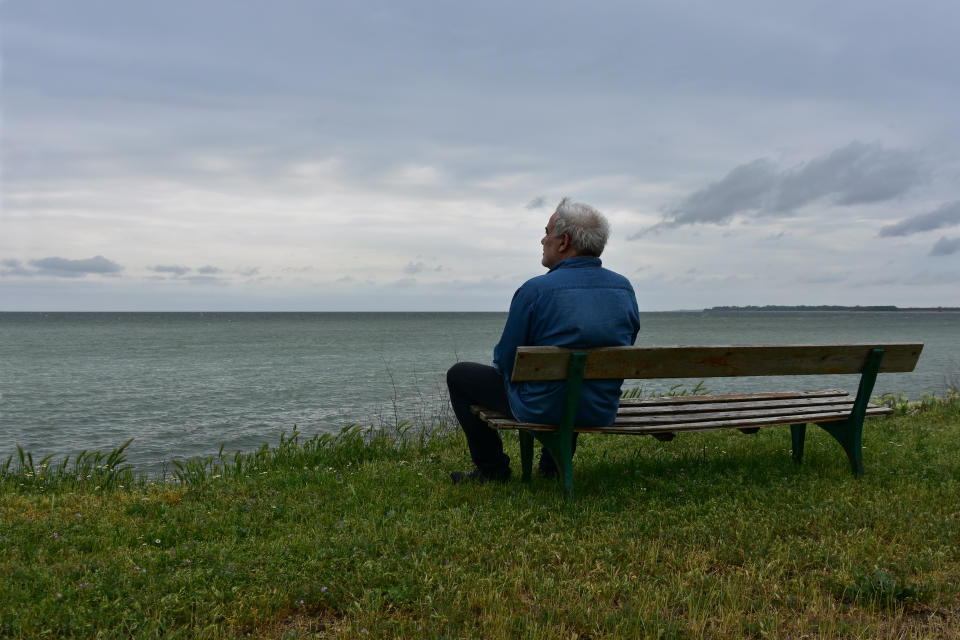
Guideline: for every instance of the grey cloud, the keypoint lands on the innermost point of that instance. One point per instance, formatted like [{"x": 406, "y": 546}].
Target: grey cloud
[
  {"x": 174, "y": 269},
  {"x": 858, "y": 173},
  {"x": 743, "y": 189},
  {"x": 208, "y": 270},
  {"x": 11, "y": 267},
  {"x": 251, "y": 271},
  {"x": 67, "y": 268},
  {"x": 537, "y": 203},
  {"x": 414, "y": 267},
  {"x": 945, "y": 247},
  {"x": 945, "y": 216}
]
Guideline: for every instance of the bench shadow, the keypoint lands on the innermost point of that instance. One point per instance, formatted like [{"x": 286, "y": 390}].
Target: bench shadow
[{"x": 612, "y": 476}]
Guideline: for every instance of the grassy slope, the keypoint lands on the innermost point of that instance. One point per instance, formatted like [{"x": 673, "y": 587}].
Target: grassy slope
[{"x": 711, "y": 535}]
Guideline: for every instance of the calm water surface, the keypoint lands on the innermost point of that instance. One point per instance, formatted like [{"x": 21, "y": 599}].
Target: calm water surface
[{"x": 182, "y": 384}]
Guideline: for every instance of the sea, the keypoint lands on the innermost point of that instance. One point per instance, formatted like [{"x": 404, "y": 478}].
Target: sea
[{"x": 186, "y": 384}]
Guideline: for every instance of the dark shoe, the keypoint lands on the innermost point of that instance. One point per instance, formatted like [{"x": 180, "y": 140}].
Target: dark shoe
[
  {"x": 478, "y": 477},
  {"x": 547, "y": 472}
]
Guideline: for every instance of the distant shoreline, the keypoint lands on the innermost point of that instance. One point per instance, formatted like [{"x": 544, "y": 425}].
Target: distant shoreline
[{"x": 873, "y": 309}]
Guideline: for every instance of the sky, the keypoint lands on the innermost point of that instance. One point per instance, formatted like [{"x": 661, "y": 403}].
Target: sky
[{"x": 403, "y": 156}]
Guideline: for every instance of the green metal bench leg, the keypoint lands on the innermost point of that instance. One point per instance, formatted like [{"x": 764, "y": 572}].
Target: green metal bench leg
[
  {"x": 849, "y": 432},
  {"x": 560, "y": 442},
  {"x": 526, "y": 454},
  {"x": 563, "y": 454},
  {"x": 798, "y": 433}
]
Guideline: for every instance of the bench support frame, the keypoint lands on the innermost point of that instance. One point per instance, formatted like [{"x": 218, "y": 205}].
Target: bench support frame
[
  {"x": 560, "y": 442},
  {"x": 848, "y": 432}
]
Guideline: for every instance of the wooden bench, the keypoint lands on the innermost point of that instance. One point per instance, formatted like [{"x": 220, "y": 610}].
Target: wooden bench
[{"x": 832, "y": 409}]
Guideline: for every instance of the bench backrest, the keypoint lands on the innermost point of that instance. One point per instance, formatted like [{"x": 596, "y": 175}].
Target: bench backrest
[{"x": 551, "y": 363}]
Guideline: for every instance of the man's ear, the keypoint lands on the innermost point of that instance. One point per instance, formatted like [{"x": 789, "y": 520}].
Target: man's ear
[{"x": 564, "y": 241}]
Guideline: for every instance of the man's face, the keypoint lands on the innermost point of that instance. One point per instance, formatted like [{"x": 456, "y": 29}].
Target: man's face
[{"x": 552, "y": 247}]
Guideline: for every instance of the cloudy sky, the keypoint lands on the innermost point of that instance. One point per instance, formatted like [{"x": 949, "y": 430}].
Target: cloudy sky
[{"x": 367, "y": 155}]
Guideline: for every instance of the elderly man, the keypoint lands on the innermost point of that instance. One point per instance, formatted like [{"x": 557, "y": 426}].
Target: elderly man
[{"x": 576, "y": 304}]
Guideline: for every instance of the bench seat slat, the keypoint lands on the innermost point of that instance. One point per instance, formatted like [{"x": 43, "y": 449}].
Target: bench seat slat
[
  {"x": 702, "y": 413},
  {"x": 734, "y": 397},
  {"x": 731, "y": 423},
  {"x": 651, "y": 419},
  {"x": 831, "y": 416},
  {"x": 745, "y": 405}
]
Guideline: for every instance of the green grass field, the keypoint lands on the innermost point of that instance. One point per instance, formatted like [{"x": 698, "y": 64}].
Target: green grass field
[{"x": 715, "y": 535}]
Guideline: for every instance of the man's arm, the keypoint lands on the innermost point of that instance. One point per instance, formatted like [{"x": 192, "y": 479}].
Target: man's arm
[
  {"x": 634, "y": 316},
  {"x": 516, "y": 333}
]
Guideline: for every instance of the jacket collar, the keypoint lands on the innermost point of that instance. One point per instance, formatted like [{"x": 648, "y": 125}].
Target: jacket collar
[{"x": 576, "y": 262}]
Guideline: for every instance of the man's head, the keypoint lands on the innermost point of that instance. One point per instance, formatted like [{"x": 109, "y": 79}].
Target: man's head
[{"x": 574, "y": 229}]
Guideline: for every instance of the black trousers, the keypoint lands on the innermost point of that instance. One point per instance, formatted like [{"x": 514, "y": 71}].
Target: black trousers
[{"x": 471, "y": 383}]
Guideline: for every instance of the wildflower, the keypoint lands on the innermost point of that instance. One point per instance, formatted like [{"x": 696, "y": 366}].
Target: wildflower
[
  {"x": 322, "y": 589},
  {"x": 59, "y": 595},
  {"x": 157, "y": 541}
]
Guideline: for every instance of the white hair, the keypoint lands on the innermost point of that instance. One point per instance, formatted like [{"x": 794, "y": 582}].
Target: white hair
[{"x": 588, "y": 228}]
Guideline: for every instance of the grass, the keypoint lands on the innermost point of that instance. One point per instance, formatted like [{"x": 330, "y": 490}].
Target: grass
[{"x": 715, "y": 535}]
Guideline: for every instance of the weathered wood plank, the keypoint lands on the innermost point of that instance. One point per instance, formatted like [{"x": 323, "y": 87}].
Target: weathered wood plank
[
  {"x": 703, "y": 407},
  {"x": 733, "y": 397},
  {"x": 550, "y": 363},
  {"x": 732, "y": 423},
  {"x": 710, "y": 416}
]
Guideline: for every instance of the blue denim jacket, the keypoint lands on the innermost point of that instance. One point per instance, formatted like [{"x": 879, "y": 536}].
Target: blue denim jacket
[{"x": 577, "y": 304}]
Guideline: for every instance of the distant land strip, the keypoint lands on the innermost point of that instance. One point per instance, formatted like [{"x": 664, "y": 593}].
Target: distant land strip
[{"x": 829, "y": 307}]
